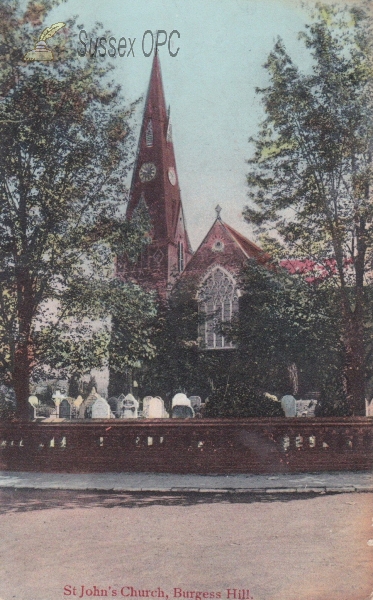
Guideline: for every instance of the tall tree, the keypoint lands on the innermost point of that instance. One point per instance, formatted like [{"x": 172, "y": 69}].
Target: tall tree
[
  {"x": 310, "y": 176},
  {"x": 288, "y": 334},
  {"x": 66, "y": 149}
]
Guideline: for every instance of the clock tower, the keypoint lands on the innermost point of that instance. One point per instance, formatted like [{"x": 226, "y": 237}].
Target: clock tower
[{"x": 155, "y": 185}]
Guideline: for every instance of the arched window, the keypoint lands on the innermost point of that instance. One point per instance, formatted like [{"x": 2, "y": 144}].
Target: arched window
[
  {"x": 149, "y": 134},
  {"x": 217, "y": 301},
  {"x": 180, "y": 256}
]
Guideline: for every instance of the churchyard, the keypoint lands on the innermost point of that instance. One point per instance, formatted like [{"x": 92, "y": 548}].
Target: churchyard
[{"x": 95, "y": 406}]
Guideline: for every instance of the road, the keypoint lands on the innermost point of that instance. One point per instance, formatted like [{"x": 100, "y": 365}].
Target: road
[{"x": 66, "y": 544}]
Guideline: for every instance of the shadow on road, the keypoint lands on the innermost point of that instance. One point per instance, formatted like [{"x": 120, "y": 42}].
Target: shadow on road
[{"x": 26, "y": 500}]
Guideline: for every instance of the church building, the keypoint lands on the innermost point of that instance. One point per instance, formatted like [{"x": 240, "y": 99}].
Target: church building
[{"x": 169, "y": 258}]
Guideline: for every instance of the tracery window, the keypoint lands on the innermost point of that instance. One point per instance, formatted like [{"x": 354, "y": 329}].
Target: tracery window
[
  {"x": 218, "y": 302},
  {"x": 149, "y": 134}
]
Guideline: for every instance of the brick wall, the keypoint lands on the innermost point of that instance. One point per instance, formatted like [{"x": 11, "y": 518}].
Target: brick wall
[{"x": 190, "y": 446}]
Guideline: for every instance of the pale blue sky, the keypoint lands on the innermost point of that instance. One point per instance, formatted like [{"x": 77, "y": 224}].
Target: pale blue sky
[{"x": 210, "y": 85}]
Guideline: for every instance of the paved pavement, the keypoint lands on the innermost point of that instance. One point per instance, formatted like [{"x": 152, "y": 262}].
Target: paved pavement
[{"x": 341, "y": 482}]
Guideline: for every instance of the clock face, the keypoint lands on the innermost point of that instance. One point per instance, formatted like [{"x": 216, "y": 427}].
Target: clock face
[
  {"x": 147, "y": 172},
  {"x": 172, "y": 175}
]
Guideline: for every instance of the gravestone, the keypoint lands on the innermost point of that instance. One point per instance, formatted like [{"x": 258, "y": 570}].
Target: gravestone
[
  {"x": 65, "y": 409},
  {"x": 33, "y": 400},
  {"x": 195, "y": 402},
  {"x": 120, "y": 403},
  {"x": 156, "y": 408},
  {"x": 181, "y": 400},
  {"x": 182, "y": 411},
  {"x": 129, "y": 408},
  {"x": 289, "y": 406},
  {"x": 181, "y": 407},
  {"x": 85, "y": 409},
  {"x": 58, "y": 396},
  {"x": 78, "y": 401},
  {"x": 101, "y": 409},
  {"x": 301, "y": 407},
  {"x": 31, "y": 412},
  {"x": 306, "y": 408},
  {"x": 145, "y": 406}
]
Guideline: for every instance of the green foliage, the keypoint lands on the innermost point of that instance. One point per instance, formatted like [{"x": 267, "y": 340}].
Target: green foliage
[
  {"x": 133, "y": 325},
  {"x": 73, "y": 347},
  {"x": 239, "y": 399},
  {"x": 69, "y": 146},
  {"x": 177, "y": 365},
  {"x": 7, "y": 410},
  {"x": 7, "y": 404},
  {"x": 311, "y": 173},
  {"x": 319, "y": 125},
  {"x": 180, "y": 365},
  {"x": 284, "y": 320}
]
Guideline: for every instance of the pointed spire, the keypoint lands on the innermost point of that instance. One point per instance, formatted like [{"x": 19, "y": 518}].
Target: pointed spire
[
  {"x": 155, "y": 181},
  {"x": 155, "y": 104}
]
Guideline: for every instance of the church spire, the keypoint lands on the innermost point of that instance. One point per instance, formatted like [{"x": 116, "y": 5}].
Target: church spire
[{"x": 155, "y": 183}]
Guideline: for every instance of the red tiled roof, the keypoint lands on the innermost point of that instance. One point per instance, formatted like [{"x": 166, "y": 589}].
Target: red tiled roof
[{"x": 249, "y": 247}]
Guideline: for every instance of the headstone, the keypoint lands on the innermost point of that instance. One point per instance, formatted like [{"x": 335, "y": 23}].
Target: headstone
[
  {"x": 195, "y": 401},
  {"x": 129, "y": 408},
  {"x": 156, "y": 408},
  {"x": 289, "y": 406},
  {"x": 180, "y": 400},
  {"x": 119, "y": 406},
  {"x": 311, "y": 408},
  {"x": 33, "y": 400},
  {"x": 145, "y": 406},
  {"x": 78, "y": 401},
  {"x": 101, "y": 409},
  {"x": 85, "y": 409},
  {"x": 306, "y": 408},
  {"x": 180, "y": 411},
  {"x": 181, "y": 407},
  {"x": 65, "y": 409},
  {"x": 58, "y": 396},
  {"x": 57, "y": 399},
  {"x": 31, "y": 412},
  {"x": 369, "y": 408}
]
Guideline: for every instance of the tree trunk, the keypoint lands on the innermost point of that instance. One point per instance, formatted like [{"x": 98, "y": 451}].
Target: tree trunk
[
  {"x": 24, "y": 354},
  {"x": 21, "y": 380}
]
